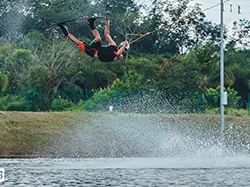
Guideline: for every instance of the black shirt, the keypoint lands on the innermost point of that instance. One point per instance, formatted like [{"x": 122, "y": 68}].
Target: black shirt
[{"x": 107, "y": 53}]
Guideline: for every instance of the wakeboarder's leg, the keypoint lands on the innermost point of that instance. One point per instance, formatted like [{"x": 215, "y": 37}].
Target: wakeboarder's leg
[
  {"x": 94, "y": 31},
  {"x": 64, "y": 29},
  {"x": 70, "y": 36}
]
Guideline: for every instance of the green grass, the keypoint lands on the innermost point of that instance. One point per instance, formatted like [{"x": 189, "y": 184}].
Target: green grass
[
  {"x": 228, "y": 111},
  {"x": 25, "y": 134},
  {"x": 22, "y": 133}
]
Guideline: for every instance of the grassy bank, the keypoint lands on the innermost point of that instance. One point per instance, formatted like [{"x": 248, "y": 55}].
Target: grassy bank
[
  {"x": 24, "y": 133},
  {"x": 27, "y": 134}
]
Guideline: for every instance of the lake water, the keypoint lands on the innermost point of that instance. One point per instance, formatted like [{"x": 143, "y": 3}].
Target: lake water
[
  {"x": 138, "y": 150},
  {"x": 172, "y": 171}
]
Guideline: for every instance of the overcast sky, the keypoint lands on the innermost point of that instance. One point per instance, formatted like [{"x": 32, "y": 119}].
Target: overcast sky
[
  {"x": 214, "y": 14},
  {"x": 232, "y": 5}
]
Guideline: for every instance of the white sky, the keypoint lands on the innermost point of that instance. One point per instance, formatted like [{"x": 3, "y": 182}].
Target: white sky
[
  {"x": 229, "y": 17},
  {"x": 214, "y": 14}
]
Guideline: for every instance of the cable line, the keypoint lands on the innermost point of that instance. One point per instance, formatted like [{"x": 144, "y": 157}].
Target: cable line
[{"x": 148, "y": 33}]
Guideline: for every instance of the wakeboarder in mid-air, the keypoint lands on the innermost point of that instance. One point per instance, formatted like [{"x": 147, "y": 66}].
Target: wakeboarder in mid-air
[{"x": 95, "y": 49}]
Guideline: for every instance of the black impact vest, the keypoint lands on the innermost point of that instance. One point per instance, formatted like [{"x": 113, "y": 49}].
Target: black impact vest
[{"x": 107, "y": 53}]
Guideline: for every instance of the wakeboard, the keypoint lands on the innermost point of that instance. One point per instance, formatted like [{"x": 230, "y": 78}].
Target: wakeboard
[{"x": 76, "y": 21}]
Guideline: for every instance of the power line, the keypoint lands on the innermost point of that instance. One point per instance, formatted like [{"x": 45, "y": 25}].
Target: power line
[
  {"x": 212, "y": 2},
  {"x": 148, "y": 33},
  {"x": 233, "y": 8},
  {"x": 241, "y": 5},
  {"x": 234, "y": 12}
]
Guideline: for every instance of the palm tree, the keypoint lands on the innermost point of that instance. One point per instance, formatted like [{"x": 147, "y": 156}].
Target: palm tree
[{"x": 207, "y": 59}]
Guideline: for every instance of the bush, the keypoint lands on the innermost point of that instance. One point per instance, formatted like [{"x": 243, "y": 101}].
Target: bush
[
  {"x": 63, "y": 105},
  {"x": 2, "y": 108},
  {"x": 212, "y": 97},
  {"x": 35, "y": 98},
  {"x": 190, "y": 105},
  {"x": 100, "y": 100},
  {"x": 17, "y": 106}
]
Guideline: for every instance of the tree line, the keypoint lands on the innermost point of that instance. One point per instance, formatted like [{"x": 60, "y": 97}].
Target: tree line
[{"x": 182, "y": 57}]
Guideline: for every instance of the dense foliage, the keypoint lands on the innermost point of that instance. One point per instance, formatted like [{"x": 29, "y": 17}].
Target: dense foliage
[{"x": 183, "y": 57}]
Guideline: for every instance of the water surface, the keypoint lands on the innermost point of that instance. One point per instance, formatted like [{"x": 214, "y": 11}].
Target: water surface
[{"x": 218, "y": 171}]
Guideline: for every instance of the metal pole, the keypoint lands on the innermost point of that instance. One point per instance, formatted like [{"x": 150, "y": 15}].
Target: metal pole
[
  {"x": 170, "y": 102},
  {"x": 57, "y": 99},
  {"x": 115, "y": 100},
  {"x": 221, "y": 77},
  {"x": 86, "y": 100},
  {"x": 143, "y": 104},
  {"x": 248, "y": 104},
  {"x": 26, "y": 99},
  {"x": 197, "y": 102}
]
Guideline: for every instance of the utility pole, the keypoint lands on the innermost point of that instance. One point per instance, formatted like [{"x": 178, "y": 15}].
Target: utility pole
[{"x": 221, "y": 77}]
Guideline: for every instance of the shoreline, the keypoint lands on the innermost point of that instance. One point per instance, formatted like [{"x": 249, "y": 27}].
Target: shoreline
[{"x": 29, "y": 134}]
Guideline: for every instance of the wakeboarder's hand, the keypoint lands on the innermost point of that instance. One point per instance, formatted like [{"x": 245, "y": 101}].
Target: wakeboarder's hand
[{"x": 107, "y": 22}]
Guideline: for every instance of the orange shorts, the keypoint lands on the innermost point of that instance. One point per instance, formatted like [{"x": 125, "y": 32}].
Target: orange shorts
[{"x": 89, "y": 49}]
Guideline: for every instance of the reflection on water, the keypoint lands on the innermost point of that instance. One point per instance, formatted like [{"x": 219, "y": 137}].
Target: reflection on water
[
  {"x": 220, "y": 171},
  {"x": 128, "y": 163}
]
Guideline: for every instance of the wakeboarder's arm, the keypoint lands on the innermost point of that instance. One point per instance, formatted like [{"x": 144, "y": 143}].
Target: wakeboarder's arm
[
  {"x": 119, "y": 55},
  {"x": 107, "y": 34},
  {"x": 122, "y": 49}
]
